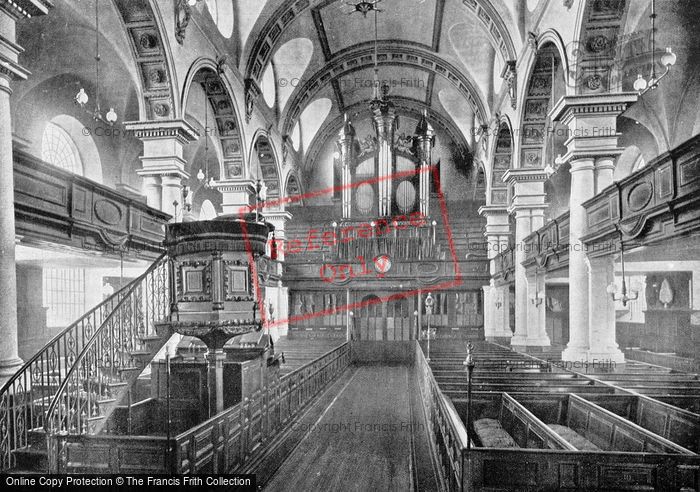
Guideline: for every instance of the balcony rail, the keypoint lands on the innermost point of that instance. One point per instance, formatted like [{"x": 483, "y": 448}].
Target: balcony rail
[
  {"x": 505, "y": 264},
  {"x": 662, "y": 194},
  {"x": 52, "y": 204},
  {"x": 549, "y": 242}
]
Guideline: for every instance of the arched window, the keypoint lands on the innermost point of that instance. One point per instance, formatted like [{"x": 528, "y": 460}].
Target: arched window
[
  {"x": 208, "y": 211},
  {"x": 58, "y": 149},
  {"x": 221, "y": 12}
]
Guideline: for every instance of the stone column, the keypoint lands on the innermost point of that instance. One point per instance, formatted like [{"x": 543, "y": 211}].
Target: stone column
[
  {"x": 163, "y": 163},
  {"x": 582, "y": 188},
  {"x": 171, "y": 192},
  {"x": 603, "y": 347},
  {"x": 279, "y": 220},
  {"x": 497, "y": 313},
  {"x": 592, "y": 149},
  {"x": 9, "y": 358},
  {"x": 279, "y": 295},
  {"x": 151, "y": 187},
  {"x": 496, "y": 298},
  {"x": 604, "y": 172},
  {"x": 536, "y": 314},
  {"x": 10, "y": 13},
  {"x": 528, "y": 206}
]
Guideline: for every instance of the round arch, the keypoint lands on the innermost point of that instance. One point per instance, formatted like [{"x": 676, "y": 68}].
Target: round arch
[
  {"x": 292, "y": 188},
  {"x": 479, "y": 191},
  {"x": 84, "y": 144},
  {"x": 553, "y": 38},
  {"x": 497, "y": 190},
  {"x": 264, "y": 164},
  {"x": 229, "y": 131},
  {"x": 159, "y": 74},
  {"x": 545, "y": 85}
]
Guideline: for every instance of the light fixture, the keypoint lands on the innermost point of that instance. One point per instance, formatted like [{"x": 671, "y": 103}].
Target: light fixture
[
  {"x": 364, "y": 7},
  {"x": 539, "y": 297},
  {"x": 668, "y": 59},
  {"x": 203, "y": 175},
  {"x": 623, "y": 296},
  {"x": 82, "y": 98},
  {"x": 187, "y": 198},
  {"x": 260, "y": 197},
  {"x": 550, "y": 170}
]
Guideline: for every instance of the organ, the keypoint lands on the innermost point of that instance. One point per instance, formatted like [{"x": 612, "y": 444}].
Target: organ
[{"x": 389, "y": 238}]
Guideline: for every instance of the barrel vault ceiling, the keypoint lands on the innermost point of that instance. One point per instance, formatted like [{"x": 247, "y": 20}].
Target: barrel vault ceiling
[{"x": 444, "y": 55}]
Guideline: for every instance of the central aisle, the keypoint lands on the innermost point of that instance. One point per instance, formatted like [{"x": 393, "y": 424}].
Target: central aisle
[{"x": 372, "y": 436}]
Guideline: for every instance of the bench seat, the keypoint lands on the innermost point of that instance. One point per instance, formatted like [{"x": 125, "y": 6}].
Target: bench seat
[
  {"x": 574, "y": 438},
  {"x": 492, "y": 435}
]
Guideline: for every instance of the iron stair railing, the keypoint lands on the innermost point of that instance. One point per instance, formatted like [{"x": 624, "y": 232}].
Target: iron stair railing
[
  {"x": 40, "y": 387},
  {"x": 107, "y": 367}
]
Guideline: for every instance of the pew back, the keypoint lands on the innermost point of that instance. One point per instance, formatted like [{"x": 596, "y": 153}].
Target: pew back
[
  {"x": 673, "y": 423},
  {"x": 612, "y": 432}
]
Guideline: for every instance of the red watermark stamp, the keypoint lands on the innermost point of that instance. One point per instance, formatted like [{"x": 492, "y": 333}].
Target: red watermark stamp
[{"x": 340, "y": 236}]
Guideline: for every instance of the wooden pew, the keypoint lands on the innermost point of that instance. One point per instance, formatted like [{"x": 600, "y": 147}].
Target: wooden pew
[
  {"x": 675, "y": 424},
  {"x": 605, "y": 429},
  {"x": 519, "y": 423},
  {"x": 554, "y": 386},
  {"x": 686, "y": 402}
]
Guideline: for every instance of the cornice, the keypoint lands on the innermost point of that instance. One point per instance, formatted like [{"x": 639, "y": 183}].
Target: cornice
[
  {"x": 592, "y": 104},
  {"x": 154, "y": 130},
  {"x": 522, "y": 175},
  {"x": 25, "y": 8}
]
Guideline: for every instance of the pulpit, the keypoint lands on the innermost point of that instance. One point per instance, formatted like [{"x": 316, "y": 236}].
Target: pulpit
[{"x": 215, "y": 291}]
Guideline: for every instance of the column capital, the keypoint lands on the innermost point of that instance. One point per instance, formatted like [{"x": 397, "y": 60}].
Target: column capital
[
  {"x": 522, "y": 175},
  {"x": 235, "y": 186},
  {"x": 580, "y": 164},
  {"x": 12, "y": 70},
  {"x": 277, "y": 217},
  {"x": 181, "y": 130},
  {"x": 164, "y": 171},
  {"x": 18, "y": 9},
  {"x": 592, "y": 123},
  {"x": 236, "y": 195},
  {"x": 591, "y": 105},
  {"x": 527, "y": 209},
  {"x": 605, "y": 162},
  {"x": 489, "y": 211}
]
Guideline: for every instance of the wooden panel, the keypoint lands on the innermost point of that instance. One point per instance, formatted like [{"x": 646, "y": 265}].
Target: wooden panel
[{"x": 54, "y": 205}]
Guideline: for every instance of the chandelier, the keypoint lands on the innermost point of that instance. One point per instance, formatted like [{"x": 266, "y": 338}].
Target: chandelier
[
  {"x": 364, "y": 7},
  {"x": 203, "y": 175},
  {"x": 668, "y": 59},
  {"x": 623, "y": 296},
  {"x": 82, "y": 98}
]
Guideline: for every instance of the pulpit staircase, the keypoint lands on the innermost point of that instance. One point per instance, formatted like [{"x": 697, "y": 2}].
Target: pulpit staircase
[{"x": 75, "y": 382}]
